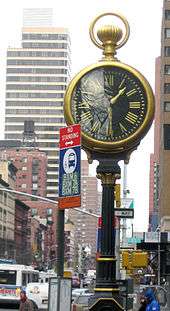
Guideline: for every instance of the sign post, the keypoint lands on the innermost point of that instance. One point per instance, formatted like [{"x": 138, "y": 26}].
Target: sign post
[
  {"x": 70, "y": 167},
  {"x": 69, "y": 183}
]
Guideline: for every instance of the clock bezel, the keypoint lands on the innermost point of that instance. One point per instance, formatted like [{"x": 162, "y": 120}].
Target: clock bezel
[{"x": 123, "y": 144}]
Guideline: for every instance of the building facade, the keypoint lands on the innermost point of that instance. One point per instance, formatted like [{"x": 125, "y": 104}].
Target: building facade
[
  {"x": 36, "y": 79},
  {"x": 86, "y": 225},
  {"x": 7, "y": 222},
  {"x": 164, "y": 128},
  {"x": 154, "y": 180}
]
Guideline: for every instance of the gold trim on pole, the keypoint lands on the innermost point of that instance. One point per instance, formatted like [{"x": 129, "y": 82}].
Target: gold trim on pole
[
  {"x": 106, "y": 259},
  {"x": 106, "y": 289}
]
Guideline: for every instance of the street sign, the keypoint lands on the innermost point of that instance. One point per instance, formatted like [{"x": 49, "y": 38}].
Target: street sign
[
  {"x": 124, "y": 212},
  {"x": 70, "y": 167},
  {"x": 70, "y": 136}
]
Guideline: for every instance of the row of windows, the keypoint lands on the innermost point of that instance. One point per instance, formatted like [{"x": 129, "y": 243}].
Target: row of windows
[
  {"x": 44, "y": 45},
  {"x": 38, "y": 70},
  {"x": 44, "y": 36},
  {"x": 40, "y": 119},
  {"x": 37, "y": 128},
  {"x": 36, "y": 54},
  {"x": 36, "y": 79},
  {"x": 34, "y": 95},
  {"x": 35, "y": 87},
  {"x": 36, "y": 62},
  {"x": 34, "y": 111},
  {"x": 35, "y": 103}
]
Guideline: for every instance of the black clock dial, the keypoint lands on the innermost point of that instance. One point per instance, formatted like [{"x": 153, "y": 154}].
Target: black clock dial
[{"x": 110, "y": 103}]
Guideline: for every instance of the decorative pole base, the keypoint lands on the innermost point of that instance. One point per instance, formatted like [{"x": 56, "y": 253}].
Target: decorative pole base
[{"x": 107, "y": 296}]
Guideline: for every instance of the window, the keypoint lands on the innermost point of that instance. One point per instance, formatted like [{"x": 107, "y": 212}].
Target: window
[
  {"x": 4, "y": 216},
  {"x": 24, "y": 279},
  {"x": 167, "y": 106},
  {"x": 34, "y": 212},
  {"x": 49, "y": 211},
  {"x": 34, "y": 178},
  {"x": 167, "y": 69},
  {"x": 23, "y": 186},
  {"x": 34, "y": 186},
  {"x": 166, "y": 129},
  {"x": 24, "y": 168},
  {"x": 167, "y": 14},
  {"x": 4, "y": 232},
  {"x": 167, "y": 88},
  {"x": 5, "y": 198},
  {"x": 8, "y": 277},
  {"x": 167, "y": 33}
]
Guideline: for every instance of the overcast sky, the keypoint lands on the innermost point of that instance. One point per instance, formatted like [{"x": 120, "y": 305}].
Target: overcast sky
[{"x": 142, "y": 48}]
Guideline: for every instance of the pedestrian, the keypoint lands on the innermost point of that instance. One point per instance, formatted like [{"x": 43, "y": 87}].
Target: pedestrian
[
  {"x": 152, "y": 303},
  {"x": 143, "y": 304},
  {"x": 25, "y": 303}
]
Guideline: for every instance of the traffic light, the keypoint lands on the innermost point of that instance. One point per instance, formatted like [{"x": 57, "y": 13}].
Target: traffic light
[{"x": 117, "y": 195}]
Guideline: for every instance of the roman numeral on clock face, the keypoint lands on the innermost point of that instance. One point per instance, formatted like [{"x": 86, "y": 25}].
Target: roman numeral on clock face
[
  {"x": 96, "y": 126},
  {"x": 131, "y": 92},
  {"x": 131, "y": 117},
  {"x": 86, "y": 117},
  {"x": 122, "y": 127},
  {"x": 134, "y": 105}
]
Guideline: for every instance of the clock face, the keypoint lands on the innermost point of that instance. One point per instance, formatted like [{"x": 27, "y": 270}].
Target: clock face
[{"x": 110, "y": 103}]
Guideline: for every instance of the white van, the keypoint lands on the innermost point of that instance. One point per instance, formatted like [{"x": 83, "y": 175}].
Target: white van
[{"x": 38, "y": 293}]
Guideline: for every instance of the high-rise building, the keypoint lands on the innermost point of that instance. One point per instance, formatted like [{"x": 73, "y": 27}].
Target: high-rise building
[
  {"x": 154, "y": 181},
  {"x": 160, "y": 175},
  {"x": 164, "y": 211},
  {"x": 36, "y": 79}
]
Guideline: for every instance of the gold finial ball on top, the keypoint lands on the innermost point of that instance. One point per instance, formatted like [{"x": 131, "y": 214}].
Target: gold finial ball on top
[
  {"x": 109, "y": 33},
  {"x": 110, "y": 37}
]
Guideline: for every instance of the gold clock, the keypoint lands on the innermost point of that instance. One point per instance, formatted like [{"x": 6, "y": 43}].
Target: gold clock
[{"x": 112, "y": 101}]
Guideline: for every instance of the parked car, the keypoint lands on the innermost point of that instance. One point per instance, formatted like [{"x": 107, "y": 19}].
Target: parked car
[
  {"x": 82, "y": 300},
  {"x": 78, "y": 292}
]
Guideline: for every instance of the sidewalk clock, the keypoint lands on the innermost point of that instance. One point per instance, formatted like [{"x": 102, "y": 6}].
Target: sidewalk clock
[{"x": 112, "y": 101}]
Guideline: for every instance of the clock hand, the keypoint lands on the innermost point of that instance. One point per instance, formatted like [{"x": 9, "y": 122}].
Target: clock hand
[
  {"x": 114, "y": 98},
  {"x": 109, "y": 130}
]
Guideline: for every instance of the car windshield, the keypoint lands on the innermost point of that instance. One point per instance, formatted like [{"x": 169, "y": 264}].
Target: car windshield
[{"x": 8, "y": 277}]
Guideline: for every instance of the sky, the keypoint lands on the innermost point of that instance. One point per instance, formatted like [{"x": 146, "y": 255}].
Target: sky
[{"x": 140, "y": 51}]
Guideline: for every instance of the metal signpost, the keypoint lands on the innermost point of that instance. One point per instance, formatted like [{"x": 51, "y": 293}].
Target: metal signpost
[
  {"x": 59, "y": 296},
  {"x": 69, "y": 182}
]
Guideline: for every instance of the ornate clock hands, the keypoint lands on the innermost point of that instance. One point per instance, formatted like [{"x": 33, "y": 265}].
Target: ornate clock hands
[{"x": 114, "y": 98}]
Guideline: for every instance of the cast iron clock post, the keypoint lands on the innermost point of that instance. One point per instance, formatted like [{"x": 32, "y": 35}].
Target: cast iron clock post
[{"x": 114, "y": 104}]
